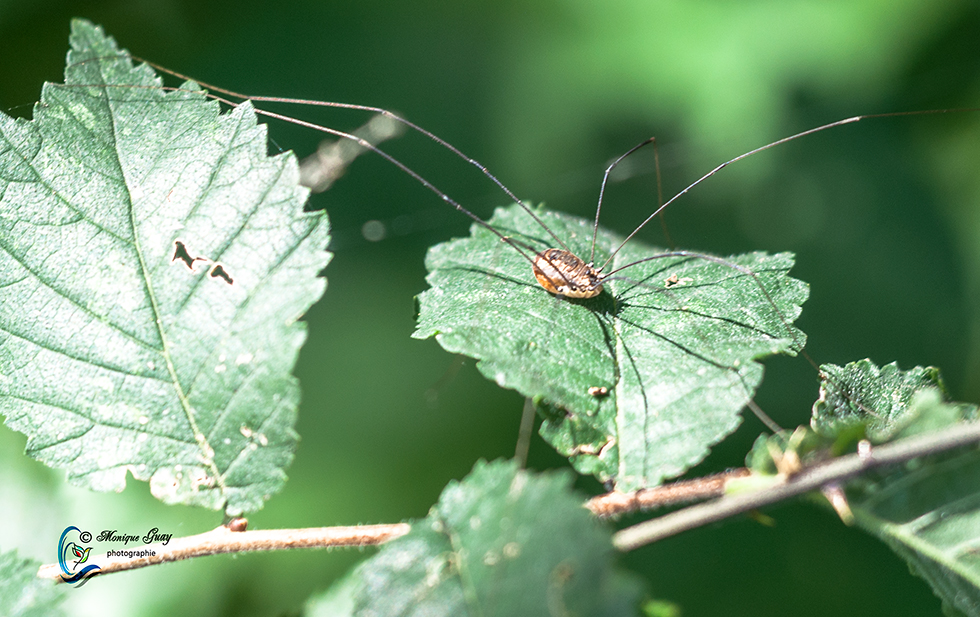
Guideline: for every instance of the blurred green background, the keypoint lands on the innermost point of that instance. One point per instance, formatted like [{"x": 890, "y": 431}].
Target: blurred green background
[{"x": 883, "y": 215}]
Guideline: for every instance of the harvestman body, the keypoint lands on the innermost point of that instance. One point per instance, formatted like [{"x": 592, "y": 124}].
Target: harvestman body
[{"x": 562, "y": 273}]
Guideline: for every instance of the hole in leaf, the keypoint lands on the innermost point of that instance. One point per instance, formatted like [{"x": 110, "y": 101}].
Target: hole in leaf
[
  {"x": 218, "y": 271},
  {"x": 181, "y": 253},
  {"x": 184, "y": 255}
]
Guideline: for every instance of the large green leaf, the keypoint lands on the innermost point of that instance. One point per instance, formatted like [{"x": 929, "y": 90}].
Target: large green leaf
[
  {"x": 503, "y": 541},
  {"x": 676, "y": 356},
  {"x": 927, "y": 511},
  {"x": 118, "y": 351},
  {"x": 22, "y": 593}
]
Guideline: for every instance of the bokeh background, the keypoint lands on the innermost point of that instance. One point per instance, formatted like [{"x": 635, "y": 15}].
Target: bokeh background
[{"x": 884, "y": 216}]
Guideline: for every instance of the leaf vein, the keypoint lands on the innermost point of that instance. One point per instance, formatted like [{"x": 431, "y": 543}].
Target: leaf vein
[{"x": 77, "y": 303}]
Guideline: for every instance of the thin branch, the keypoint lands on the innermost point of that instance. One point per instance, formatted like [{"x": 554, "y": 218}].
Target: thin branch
[
  {"x": 321, "y": 169},
  {"x": 676, "y": 493},
  {"x": 812, "y": 478},
  {"x": 224, "y": 540}
]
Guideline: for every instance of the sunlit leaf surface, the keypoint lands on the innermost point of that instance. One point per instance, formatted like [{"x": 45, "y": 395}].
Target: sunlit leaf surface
[{"x": 153, "y": 264}]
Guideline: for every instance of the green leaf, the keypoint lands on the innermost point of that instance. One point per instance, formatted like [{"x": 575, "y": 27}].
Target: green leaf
[
  {"x": 120, "y": 352},
  {"x": 22, "y": 593},
  {"x": 783, "y": 452},
  {"x": 861, "y": 399},
  {"x": 676, "y": 356},
  {"x": 928, "y": 510},
  {"x": 929, "y": 513},
  {"x": 503, "y": 541}
]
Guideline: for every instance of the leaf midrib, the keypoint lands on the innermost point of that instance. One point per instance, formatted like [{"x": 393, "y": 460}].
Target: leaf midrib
[{"x": 202, "y": 443}]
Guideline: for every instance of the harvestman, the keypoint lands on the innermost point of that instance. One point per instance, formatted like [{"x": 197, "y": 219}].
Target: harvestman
[{"x": 557, "y": 270}]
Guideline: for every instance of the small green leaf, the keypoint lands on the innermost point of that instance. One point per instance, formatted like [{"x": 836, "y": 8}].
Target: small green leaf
[
  {"x": 785, "y": 451},
  {"x": 861, "y": 399},
  {"x": 503, "y": 541},
  {"x": 637, "y": 383},
  {"x": 153, "y": 264},
  {"x": 22, "y": 593}
]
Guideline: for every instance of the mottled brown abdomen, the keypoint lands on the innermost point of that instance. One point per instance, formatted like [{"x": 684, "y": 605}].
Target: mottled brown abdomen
[{"x": 562, "y": 273}]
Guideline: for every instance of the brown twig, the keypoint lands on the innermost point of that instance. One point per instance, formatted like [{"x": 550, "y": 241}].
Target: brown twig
[
  {"x": 685, "y": 491},
  {"x": 224, "y": 540},
  {"x": 837, "y": 470}
]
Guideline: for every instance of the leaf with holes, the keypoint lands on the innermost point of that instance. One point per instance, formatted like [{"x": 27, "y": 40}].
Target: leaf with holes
[
  {"x": 153, "y": 264},
  {"x": 503, "y": 541},
  {"x": 636, "y": 383}
]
